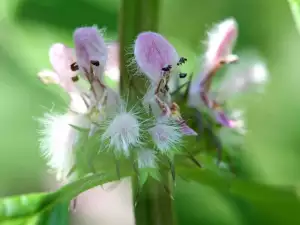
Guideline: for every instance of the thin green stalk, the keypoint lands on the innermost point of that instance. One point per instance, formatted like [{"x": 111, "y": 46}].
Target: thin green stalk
[
  {"x": 135, "y": 16},
  {"x": 154, "y": 204}
]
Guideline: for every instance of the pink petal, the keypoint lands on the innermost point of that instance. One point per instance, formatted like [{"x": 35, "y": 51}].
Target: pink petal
[
  {"x": 222, "y": 118},
  {"x": 112, "y": 67},
  {"x": 153, "y": 52},
  {"x": 186, "y": 130},
  {"x": 61, "y": 57},
  {"x": 90, "y": 46},
  {"x": 221, "y": 40}
]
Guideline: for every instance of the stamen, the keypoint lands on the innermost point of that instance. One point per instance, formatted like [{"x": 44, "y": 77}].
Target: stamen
[
  {"x": 95, "y": 62},
  {"x": 182, "y": 75},
  {"x": 74, "y": 66},
  {"x": 75, "y": 79},
  {"x": 167, "y": 68},
  {"x": 181, "y": 61}
]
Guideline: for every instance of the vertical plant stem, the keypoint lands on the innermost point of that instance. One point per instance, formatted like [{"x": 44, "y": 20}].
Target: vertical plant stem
[
  {"x": 154, "y": 205},
  {"x": 135, "y": 16}
]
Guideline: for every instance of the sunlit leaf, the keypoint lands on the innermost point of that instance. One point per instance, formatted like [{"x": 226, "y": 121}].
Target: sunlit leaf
[{"x": 46, "y": 208}]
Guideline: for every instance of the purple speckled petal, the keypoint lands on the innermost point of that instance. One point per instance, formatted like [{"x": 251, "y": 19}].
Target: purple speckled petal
[
  {"x": 186, "y": 130},
  {"x": 222, "y": 118}
]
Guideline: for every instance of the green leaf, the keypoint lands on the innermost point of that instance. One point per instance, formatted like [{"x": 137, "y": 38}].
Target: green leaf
[
  {"x": 280, "y": 203},
  {"x": 295, "y": 8},
  {"x": 204, "y": 176},
  {"x": 46, "y": 208},
  {"x": 80, "y": 129},
  {"x": 145, "y": 173}
]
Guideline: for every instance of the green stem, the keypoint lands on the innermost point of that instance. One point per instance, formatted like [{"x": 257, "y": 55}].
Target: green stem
[
  {"x": 154, "y": 203},
  {"x": 154, "y": 206},
  {"x": 135, "y": 16}
]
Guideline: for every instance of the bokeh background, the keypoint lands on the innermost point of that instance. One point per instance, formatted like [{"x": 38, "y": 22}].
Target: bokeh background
[{"x": 29, "y": 27}]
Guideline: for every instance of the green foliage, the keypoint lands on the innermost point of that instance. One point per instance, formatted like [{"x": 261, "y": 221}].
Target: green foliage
[
  {"x": 46, "y": 208},
  {"x": 277, "y": 205}
]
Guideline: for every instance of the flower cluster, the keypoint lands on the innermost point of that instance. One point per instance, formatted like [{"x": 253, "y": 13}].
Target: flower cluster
[
  {"x": 151, "y": 129},
  {"x": 136, "y": 132}
]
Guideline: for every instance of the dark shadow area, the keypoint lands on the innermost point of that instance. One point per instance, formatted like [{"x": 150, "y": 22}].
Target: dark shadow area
[{"x": 65, "y": 14}]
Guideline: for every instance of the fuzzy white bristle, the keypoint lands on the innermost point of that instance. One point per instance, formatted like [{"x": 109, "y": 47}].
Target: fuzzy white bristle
[
  {"x": 147, "y": 158},
  {"x": 58, "y": 139},
  {"x": 123, "y": 132},
  {"x": 166, "y": 135}
]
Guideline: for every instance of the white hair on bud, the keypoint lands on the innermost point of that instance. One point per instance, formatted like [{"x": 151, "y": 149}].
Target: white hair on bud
[
  {"x": 122, "y": 131},
  {"x": 166, "y": 135},
  {"x": 58, "y": 139},
  {"x": 147, "y": 158}
]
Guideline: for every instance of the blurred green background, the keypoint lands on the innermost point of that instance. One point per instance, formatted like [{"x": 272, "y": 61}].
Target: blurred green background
[{"x": 29, "y": 27}]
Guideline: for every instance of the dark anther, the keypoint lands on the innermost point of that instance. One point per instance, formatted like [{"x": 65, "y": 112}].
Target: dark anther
[
  {"x": 167, "y": 68},
  {"x": 167, "y": 88},
  {"x": 181, "y": 61},
  {"x": 182, "y": 75},
  {"x": 75, "y": 78},
  {"x": 95, "y": 63},
  {"x": 74, "y": 66}
]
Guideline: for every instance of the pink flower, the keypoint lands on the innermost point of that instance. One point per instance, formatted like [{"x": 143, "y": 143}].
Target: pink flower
[
  {"x": 91, "y": 52},
  {"x": 61, "y": 57},
  {"x": 221, "y": 40},
  {"x": 112, "y": 66},
  {"x": 153, "y": 53}
]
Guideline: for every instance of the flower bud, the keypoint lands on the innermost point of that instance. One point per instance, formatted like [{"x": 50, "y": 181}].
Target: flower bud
[
  {"x": 166, "y": 135},
  {"x": 122, "y": 132}
]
